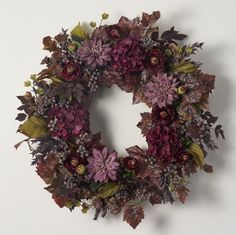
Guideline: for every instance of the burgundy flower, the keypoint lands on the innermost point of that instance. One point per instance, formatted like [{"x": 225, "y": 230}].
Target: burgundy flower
[
  {"x": 127, "y": 56},
  {"x": 131, "y": 164},
  {"x": 113, "y": 31},
  {"x": 66, "y": 122},
  {"x": 73, "y": 160},
  {"x": 71, "y": 72},
  {"x": 163, "y": 115},
  {"x": 164, "y": 144},
  {"x": 155, "y": 60},
  {"x": 103, "y": 165}
]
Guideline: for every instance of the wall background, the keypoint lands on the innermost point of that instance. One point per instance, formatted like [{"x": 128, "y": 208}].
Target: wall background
[{"x": 27, "y": 209}]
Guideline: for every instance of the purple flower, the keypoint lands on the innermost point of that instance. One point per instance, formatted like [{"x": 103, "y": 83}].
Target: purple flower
[
  {"x": 128, "y": 56},
  {"x": 162, "y": 90},
  {"x": 94, "y": 53},
  {"x": 66, "y": 122},
  {"x": 103, "y": 165}
]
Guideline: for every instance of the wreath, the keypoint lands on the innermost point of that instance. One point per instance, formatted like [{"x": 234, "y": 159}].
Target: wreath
[{"x": 79, "y": 170}]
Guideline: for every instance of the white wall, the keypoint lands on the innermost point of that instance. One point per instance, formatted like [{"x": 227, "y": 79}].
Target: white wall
[{"x": 25, "y": 207}]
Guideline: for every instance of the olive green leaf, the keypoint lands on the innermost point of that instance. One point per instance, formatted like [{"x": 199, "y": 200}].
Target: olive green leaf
[
  {"x": 108, "y": 190},
  {"x": 79, "y": 32},
  {"x": 184, "y": 67},
  {"x": 197, "y": 154},
  {"x": 34, "y": 127}
]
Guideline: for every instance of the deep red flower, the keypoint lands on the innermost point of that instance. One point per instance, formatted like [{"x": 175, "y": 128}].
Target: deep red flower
[
  {"x": 71, "y": 72},
  {"x": 164, "y": 144},
  {"x": 74, "y": 159},
  {"x": 155, "y": 59},
  {"x": 113, "y": 31},
  {"x": 131, "y": 163},
  {"x": 163, "y": 115}
]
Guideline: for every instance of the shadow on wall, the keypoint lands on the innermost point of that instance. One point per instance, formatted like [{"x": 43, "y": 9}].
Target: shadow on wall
[{"x": 203, "y": 187}]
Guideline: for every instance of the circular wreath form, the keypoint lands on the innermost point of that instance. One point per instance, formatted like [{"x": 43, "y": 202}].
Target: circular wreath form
[{"x": 79, "y": 169}]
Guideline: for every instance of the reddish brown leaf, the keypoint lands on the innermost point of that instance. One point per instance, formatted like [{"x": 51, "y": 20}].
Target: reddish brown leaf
[
  {"x": 148, "y": 20},
  {"x": 60, "y": 200},
  {"x": 207, "y": 168},
  {"x": 46, "y": 167},
  {"x": 145, "y": 122},
  {"x": 49, "y": 44},
  {"x": 182, "y": 193},
  {"x": 133, "y": 215}
]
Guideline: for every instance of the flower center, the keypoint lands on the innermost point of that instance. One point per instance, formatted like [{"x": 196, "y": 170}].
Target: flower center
[{"x": 155, "y": 60}]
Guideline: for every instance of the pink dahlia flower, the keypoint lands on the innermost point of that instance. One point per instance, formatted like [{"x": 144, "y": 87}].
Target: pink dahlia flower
[
  {"x": 66, "y": 122},
  {"x": 162, "y": 90},
  {"x": 103, "y": 165},
  {"x": 94, "y": 53}
]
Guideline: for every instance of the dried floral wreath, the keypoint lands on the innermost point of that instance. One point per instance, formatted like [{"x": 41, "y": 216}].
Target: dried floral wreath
[{"x": 78, "y": 168}]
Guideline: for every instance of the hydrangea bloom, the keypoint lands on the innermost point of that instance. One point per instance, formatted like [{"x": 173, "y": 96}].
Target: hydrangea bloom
[
  {"x": 94, "y": 53},
  {"x": 66, "y": 122},
  {"x": 164, "y": 144},
  {"x": 103, "y": 165},
  {"x": 128, "y": 56},
  {"x": 161, "y": 91}
]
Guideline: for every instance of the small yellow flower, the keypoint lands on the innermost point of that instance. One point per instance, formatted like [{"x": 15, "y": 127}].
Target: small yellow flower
[
  {"x": 105, "y": 16},
  {"x": 85, "y": 208},
  {"x": 27, "y": 83},
  {"x": 181, "y": 90},
  {"x": 93, "y": 24},
  {"x": 80, "y": 169}
]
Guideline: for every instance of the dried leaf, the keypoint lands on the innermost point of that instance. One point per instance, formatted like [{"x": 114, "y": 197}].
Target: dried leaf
[
  {"x": 184, "y": 67},
  {"x": 34, "y": 127},
  {"x": 145, "y": 123},
  {"x": 188, "y": 111},
  {"x": 49, "y": 44},
  {"x": 208, "y": 168},
  {"x": 148, "y": 20},
  {"x": 219, "y": 131},
  {"x": 182, "y": 193},
  {"x": 79, "y": 32},
  {"x": 133, "y": 215},
  {"x": 108, "y": 190},
  {"x": 197, "y": 154},
  {"x": 172, "y": 34},
  {"x": 21, "y": 117}
]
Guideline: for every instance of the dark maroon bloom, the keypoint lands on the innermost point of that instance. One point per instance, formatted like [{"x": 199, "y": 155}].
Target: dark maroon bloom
[
  {"x": 128, "y": 56},
  {"x": 113, "y": 31},
  {"x": 155, "y": 59},
  {"x": 71, "y": 72},
  {"x": 131, "y": 163},
  {"x": 163, "y": 115},
  {"x": 73, "y": 160},
  {"x": 66, "y": 122},
  {"x": 164, "y": 144}
]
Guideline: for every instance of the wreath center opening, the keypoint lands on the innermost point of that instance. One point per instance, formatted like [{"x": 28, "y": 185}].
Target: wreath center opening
[{"x": 113, "y": 114}]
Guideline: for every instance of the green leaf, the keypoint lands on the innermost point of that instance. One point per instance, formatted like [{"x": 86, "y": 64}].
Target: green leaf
[
  {"x": 108, "y": 190},
  {"x": 34, "y": 127},
  {"x": 79, "y": 31},
  {"x": 184, "y": 67},
  {"x": 197, "y": 154}
]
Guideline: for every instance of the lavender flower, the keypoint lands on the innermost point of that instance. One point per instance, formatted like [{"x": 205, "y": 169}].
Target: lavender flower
[
  {"x": 161, "y": 91},
  {"x": 94, "y": 53},
  {"x": 103, "y": 165}
]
